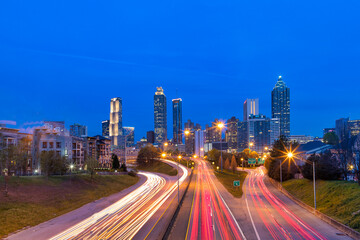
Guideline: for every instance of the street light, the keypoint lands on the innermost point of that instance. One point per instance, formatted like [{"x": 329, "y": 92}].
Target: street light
[
  {"x": 220, "y": 125},
  {"x": 163, "y": 155},
  {"x": 242, "y": 160},
  {"x": 250, "y": 145},
  {"x": 179, "y": 157},
  {"x": 290, "y": 156},
  {"x": 187, "y": 132}
]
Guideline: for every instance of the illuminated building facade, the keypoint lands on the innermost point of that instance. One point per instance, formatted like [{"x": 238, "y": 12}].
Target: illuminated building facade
[
  {"x": 251, "y": 107},
  {"x": 263, "y": 132},
  {"x": 115, "y": 128},
  {"x": 231, "y": 133},
  {"x": 78, "y": 130},
  {"x": 129, "y": 134},
  {"x": 160, "y": 116},
  {"x": 280, "y": 106},
  {"x": 177, "y": 120},
  {"x": 105, "y": 126}
]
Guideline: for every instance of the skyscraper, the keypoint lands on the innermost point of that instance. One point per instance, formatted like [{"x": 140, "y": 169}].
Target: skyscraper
[
  {"x": 115, "y": 121},
  {"x": 190, "y": 129},
  {"x": 251, "y": 107},
  {"x": 129, "y": 136},
  {"x": 280, "y": 106},
  {"x": 150, "y": 136},
  {"x": 263, "y": 132},
  {"x": 160, "y": 117},
  {"x": 177, "y": 120},
  {"x": 231, "y": 133},
  {"x": 105, "y": 125},
  {"x": 78, "y": 130}
]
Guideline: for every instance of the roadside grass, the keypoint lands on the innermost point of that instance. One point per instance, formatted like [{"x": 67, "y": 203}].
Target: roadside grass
[
  {"x": 33, "y": 200},
  {"x": 159, "y": 167},
  {"x": 228, "y": 177},
  {"x": 337, "y": 199}
]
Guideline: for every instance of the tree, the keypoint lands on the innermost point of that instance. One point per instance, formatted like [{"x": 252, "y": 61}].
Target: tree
[
  {"x": 123, "y": 167},
  {"x": 227, "y": 164},
  {"x": 278, "y": 153},
  {"x": 52, "y": 163},
  {"x": 115, "y": 161},
  {"x": 345, "y": 153},
  {"x": 331, "y": 138},
  {"x": 147, "y": 155},
  {"x": 325, "y": 167},
  {"x": 233, "y": 164},
  {"x": 213, "y": 155},
  {"x": 91, "y": 164}
]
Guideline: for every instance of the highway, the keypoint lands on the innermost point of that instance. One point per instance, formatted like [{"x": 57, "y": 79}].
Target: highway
[
  {"x": 139, "y": 214},
  {"x": 210, "y": 217},
  {"x": 274, "y": 216},
  {"x": 125, "y": 218}
]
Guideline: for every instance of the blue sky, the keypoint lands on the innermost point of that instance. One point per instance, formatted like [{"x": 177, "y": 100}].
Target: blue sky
[{"x": 64, "y": 60}]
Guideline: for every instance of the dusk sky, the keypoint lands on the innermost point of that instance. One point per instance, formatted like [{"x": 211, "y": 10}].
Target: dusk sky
[{"x": 65, "y": 60}]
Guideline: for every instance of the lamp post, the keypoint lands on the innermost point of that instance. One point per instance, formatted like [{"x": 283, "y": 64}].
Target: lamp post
[
  {"x": 179, "y": 157},
  {"x": 242, "y": 161},
  {"x": 220, "y": 126},
  {"x": 71, "y": 167},
  {"x": 250, "y": 145},
  {"x": 290, "y": 155}
]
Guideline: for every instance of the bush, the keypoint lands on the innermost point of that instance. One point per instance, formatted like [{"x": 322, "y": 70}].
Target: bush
[{"x": 132, "y": 173}]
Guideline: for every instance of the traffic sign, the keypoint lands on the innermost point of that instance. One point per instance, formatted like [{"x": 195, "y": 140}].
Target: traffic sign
[
  {"x": 252, "y": 161},
  {"x": 261, "y": 161},
  {"x": 237, "y": 183}
]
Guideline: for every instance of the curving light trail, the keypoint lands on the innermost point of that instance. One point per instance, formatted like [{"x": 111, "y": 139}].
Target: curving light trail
[
  {"x": 210, "y": 216},
  {"x": 269, "y": 208},
  {"x": 124, "y": 219}
]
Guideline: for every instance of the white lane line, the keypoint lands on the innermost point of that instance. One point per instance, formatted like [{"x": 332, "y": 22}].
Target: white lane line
[{"x": 247, "y": 206}]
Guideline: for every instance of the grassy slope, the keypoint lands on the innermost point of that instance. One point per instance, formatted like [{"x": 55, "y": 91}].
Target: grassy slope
[
  {"x": 227, "y": 177},
  {"x": 337, "y": 199},
  {"x": 159, "y": 167},
  {"x": 33, "y": 200}
]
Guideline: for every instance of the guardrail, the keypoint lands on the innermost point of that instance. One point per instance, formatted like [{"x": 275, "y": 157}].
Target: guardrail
[
  {"x": 173, "y": 219},
  {"x": 341, "y": 227}
]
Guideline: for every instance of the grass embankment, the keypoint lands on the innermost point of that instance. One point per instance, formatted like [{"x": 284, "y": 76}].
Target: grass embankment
[
  {"x": 33, "y": 200},
  {"x": 159, "y": 167},
  {"x": 228, "y": 177},
  {"x": 337, "y": 199}
]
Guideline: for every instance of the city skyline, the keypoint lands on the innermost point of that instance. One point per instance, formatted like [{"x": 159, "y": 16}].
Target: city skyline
[
  {"x": 29, "y": 125},
  {"x": 247, "y": 49}
]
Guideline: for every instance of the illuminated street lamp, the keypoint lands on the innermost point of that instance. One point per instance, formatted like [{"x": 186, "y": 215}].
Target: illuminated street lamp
[
  {"x": 186, "y": 132},
  {"x": 221, "y": 125},
  {"x": 242, "y": 160},
  {"x": 290, "y": 155},
  {"x": 179, "y": 157},
  {"x": 71, "y": 167},
  {"x": 250, "y": 145},
  {"x": 163, "y": 155}
]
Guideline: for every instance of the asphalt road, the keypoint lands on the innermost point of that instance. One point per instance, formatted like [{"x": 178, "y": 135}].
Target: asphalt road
[
  {"x": 209, "y": 216},
  {"x": 275, "y": 216},
  {"x": 135, "y": 214}
]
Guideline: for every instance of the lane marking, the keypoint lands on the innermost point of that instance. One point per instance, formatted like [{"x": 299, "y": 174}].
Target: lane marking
[
  {"x": 247, "y": 206},
  {"x": 192, "y": 205}
]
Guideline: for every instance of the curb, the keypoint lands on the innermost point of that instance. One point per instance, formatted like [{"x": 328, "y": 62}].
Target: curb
[
  {"x": 339, "y": 226},
  {"x": 172, "y": 221}
]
